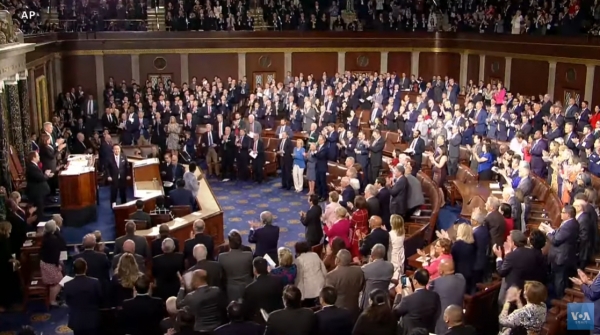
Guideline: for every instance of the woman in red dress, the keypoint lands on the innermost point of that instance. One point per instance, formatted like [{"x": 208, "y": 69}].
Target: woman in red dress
[
  {"x": 359, "y": 225},
  {"x": 395, "y": 160}
]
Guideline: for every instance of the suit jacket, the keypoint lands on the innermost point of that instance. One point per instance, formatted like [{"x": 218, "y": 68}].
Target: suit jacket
[
  {"x": 236, "y": 328},
  {"x": 376, "y": 150},
  {"x": 237, "y": 267},
  {"x": 332, "y": 320},
  {"x": 182, "y": 197},
  {"x": 303, "y": 319},
  {"x": 263, "y": 293},
  {"x": 421, "y": 309},
  {"x": 141, "y": 216},
  {"x": 287, "y": 129},
  {"x": 312, "y": 222},
  {"x": 378, "y": 275},
  {"x": 451, "y": 289},
  {"x": 206, "y": 303},
  {"x": 266, "y": 239},
  {"x": 37, "y": 181},
  {"x": 213, "y": 269},
  {"x": 497, "y": 227},
  {"x": 83, "y": 295},
  {"x": 373, "y": 206},
  {"x": 200, "y": 238},
  {"x": 348, "y": 281},
  {"x": 48, "y": 158},
  {"x": 376, "y": 236},
  {"x": 521, "y": 265},
  {"x": 254, "y": 127},
  {"x": 399, "y": 193},
  {"x": 98, "y": 265},
  {"x": 141, "y": 315},
  {"x": 348, "y": 195},
  {"x": 384, "y": 204},
  {"x": 563, "y": 244},
  {"x": 117, "y": 173},
  {"x": 526, "y": 186},
  {"x": 461, "y": 330},
  {"x": 156, "y": 245},
  {"x": 78, "y": 147},
  {"x": 141, "y": 245},
  {"x": 165, "y": 270}
]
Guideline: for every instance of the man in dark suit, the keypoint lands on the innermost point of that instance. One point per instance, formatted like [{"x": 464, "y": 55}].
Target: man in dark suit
[
  {"x": 399, "y": 192},
  {"x": 519, "y": 264},
  {"x": 83, "y": 295},
  {"x": 481, "y": 235},
  {"x": 348, "y": 193},
  {"x": 312, "y": 221},
  {"x": 286, "y": 161},
  {"x": 258, "y": 161},
  {"x": 588, "y": 233},
  {"x": 284, "y": 128},
  {"x": 376, "y": 155},
  {"x": 347, "y": 281},
  {"x": 421, "y": 309},
  {"x": 37, "y": 182},
  {"x": 129, "y": 248},
  {"x": 303, "y": 320},
  {"x": 142, "y": 314},
  {"x": 244, "y": 143},
  {"x": 106, "y": 150},
  {"x": 495, "y": 221},
  {"x": 78, "y": 147},
  {"x": 164, "y": 269},
  {"x": 109, "y": 120},
  {"x": 373, "y": 207},
  {"x": 176, "y": 170},
  {"x": 139, "y": 214},
  {"x": 228, "y": 153},
  {"x": 563, "y": 249},
  {"x": 378, "y": 235},
  {"x": 454, "y": 151},
  {"x": 214, "y": 271},
  {"x": 182, "y": 196},
  {"x": 117, "y": 175},
  {"x": 237, "y": 324},
  {"x": 321, "y": 169},
  {"x": 209, "y": 148},
  {"x": 205, "y": 302},
  {"x": 383, "y": 196},
  {"x": 538, "y": 147},
  {"x": 141, "y": 244},
  {"x": 263, "y": 293},
  {"x": 163, "y": 233},
  {"x": 265, "y": 235},
  {"x": 332, "y": 320},
  {"x": 416, "y": 150},
  {"x": 199, "y": 237},
  {"x": 453, "y": 316},
  {"x": 97, "y": 262}
]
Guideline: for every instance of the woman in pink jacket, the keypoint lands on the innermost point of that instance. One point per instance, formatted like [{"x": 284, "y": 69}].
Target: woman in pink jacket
[{"x": 340, "y": 228}]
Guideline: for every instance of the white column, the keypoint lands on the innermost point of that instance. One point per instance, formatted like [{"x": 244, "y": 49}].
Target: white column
[
  {"x": 551, "y": 79},
  {"x": 589, "y": 83},
  {"x": 414, "y": 63},
  {"x": 58, "y": 74},
  {"x": 100, "y": 80},
  {"x": 287, "y": 63},
  {"x": 464, "y": 68},
  {"x": 481, "y": 67},
  {"x": 341, "y": 62},
  {"x": 135, "y": 69},
  {"x": 185, "y": 68},
  {"x": 507, "y": 71},
  {"x": 242, "y": 65},
  {"x": 383, "y": 67}
]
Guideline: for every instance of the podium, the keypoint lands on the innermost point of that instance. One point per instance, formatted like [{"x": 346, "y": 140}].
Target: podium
[
  {"x": 147, "y": 186},
  {"x": 78, "y": 191}
]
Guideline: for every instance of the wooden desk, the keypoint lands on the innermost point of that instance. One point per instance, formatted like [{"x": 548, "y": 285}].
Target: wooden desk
[
  {"x": 78, "y": 191},
  {"x": 474, "y": 195},
  {"x": 412, "y": 260}
]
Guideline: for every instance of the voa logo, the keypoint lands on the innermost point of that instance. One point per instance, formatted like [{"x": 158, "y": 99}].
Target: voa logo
[
  {"x": 580, "y": 317},
  {"x": 27, "y": 15}
]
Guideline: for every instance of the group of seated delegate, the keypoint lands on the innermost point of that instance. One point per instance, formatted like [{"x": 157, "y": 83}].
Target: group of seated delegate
[{"x": 510, "y": 137}]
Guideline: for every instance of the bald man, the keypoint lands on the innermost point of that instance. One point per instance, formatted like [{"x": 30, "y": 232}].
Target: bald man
[
  {"x": 451, "y": 288},
  {"x": 129, "y": 247},
  {"x": 453, "y": 317},
  {"x": 204, "y": 301},
  {"x": 378, "y": 235}
]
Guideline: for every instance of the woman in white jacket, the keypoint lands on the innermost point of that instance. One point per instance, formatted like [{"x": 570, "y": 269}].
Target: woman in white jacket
[
  {"x": 396, "y": 247},
  {"x": 311, "y": 271}
]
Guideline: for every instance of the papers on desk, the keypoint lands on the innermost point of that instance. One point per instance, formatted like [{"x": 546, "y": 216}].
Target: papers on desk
[
  {"x": 147, "y": 194},
  {"x": 27, "y": 243},
  {"x": 130, "y": 203},
  {"x": 63, "y": 256},
  {"x": 179, "y": 220},
  {"x": 253, "y": 154},
  {"x": 65, "y": 280},
  {"x": 422, "y": 259},
  {"x": 494, "y": 186},
  {"x": 145, "y": 162}
]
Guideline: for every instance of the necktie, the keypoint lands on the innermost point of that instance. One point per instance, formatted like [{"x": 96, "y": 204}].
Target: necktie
[
  {"x": 255, "y": 146},
  {"x": 220, "y": 129},
  {"x": 109, "y": 118},
  {"x": 282, "y": 145},
  {"x": 210, "y": 142},
  {"x": 117, "y": 161},
  {"x": 208, "y": 110},
  {"x": 413, "y": 144},
  {"x": 90, "y": 108}
]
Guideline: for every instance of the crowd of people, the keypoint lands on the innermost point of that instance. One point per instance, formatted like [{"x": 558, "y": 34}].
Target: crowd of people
[{"x": 361, "y": 223}]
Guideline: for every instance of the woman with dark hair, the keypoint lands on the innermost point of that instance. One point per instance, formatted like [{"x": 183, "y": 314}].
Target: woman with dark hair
[
  {"x": 484, "y": 169},
  {"x": 331, "y": 250},
  {"x": 378, "y": 318},
  {"x": 359, "y": 223},
  {"x": 311, "y": 271},
  {"x": 312, "y": 221},
  {"x": 438, "y": 161},
  {"x": 506, "y": 211}
]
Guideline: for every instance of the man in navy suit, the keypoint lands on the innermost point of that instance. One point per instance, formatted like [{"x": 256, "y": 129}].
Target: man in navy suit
[
  {"x": 321, "y": 168},
  {"x": 563, "y": 249},
  {"x": 480, "y": 120},
  {"x": 142, "y": 314},
  {"x": 481, "y": 235},
  {"x": 286, "y": 161},
  {"x": 265, "y": 235},
  {"x": 182, "y": 196},
  {"x": 416, "y": 150},
  {"x": 383, "y": 196},
  {"x": 117, "y": 175},
  {"x": 348, "y": 193},
  {"x": 571, "y": 138},
  {"x": 140, "y": 129},
  {"x": 452, "y": 91},
  {"x": 332, "y": 320},
  {"x": 537, "y": 148},
  {"x": 83, "y": 295}
]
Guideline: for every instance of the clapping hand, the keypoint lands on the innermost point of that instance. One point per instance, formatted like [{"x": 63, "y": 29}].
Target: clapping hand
[
  {"x": 581, "y": 279},
  {"x": 497, "y": 251},
  {"x": 442, "y": 234},
  {"x": 513, "y": 294},
  {"x": 421, "y": 253}
]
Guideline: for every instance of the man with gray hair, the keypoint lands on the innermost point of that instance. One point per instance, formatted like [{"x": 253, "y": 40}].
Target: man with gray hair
[
  {"x": 141, "y": 244},
  {"x": 198, "y": 237},
  {"x": 98, "y": 265},
  {"x": 494, "y": 220},
  {"x": 378, "y": 273},
  {"x": 508, "y": 197},
  {"x": 169, "y": 322},
  {"x": 213, "y": 269},
  {"x": 415, "y": 198},
  {"x": 481, "y": 235},
  {"x": 348, "y": 280},
  {"x": 129, "y": 248},
  {"x": 165, "y": 268},
  {"x": 372, "y": 201},
  {"x": 265, "y": 235},
  {"x": 525, "y": 184},
  {"x": 519, "y": 263}
]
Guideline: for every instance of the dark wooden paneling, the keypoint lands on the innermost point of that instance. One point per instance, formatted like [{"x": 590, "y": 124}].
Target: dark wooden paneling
[
  {"x": 258, "y": 61},
  {"x": 173, "y": 66},
  {"x": 494, "y": 68},
  {"x": 595, "y": 100},
  {"x": 473, "y": 69},
  {"x": 439, "y": 64},
  {"x": 400, "y": 62},
  {"x": 569, "y": 77},
  {"x": 79, "y": 70},
  {"x": 315, "y": 63},
  {"x": 213, "y": 65},
  {"x": 355, "y": 61},
  {"x": 118, "y": 67},
  {"x": 528, "y": 77}
]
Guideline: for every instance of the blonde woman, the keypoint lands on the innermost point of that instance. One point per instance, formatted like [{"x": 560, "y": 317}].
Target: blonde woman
[
  {"x": 396, "y": 248},
  {"x": 173, "y": 129},
  {"x": 287, "y": 269},
  {"x": 464, "y": 252},
  {"x": 299, "y": 165},
  {"x": 123, "y": 281},
  {"x": 329, "y": 216}
]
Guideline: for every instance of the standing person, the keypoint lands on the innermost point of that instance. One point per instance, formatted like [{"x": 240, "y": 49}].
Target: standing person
[
  {"x": 50, "y": 263},
  {"x": 321, "y": 168},
  {"x": 265, "y": 235},
  {"x": 378, "y": 317},
  {"x": 299, "y": 165},
  {"x": 9, "y": 278},
  {"x": 396, "y": 248},
  {"x": 258, "y": 160},
  {"x": 375, "y": 155},
  {"x": 37, "y": 182},
  {"x": 228, "y": 150},
  {"x": 311, "y": 273},
  {"x": 311, "y": 166},
  {"x": 83, "y": 295},
  {"x": 173, "y": 129},
  {"x": 312, "y": 221},
  {"x": 399, "y": 192},
  {"x": 286, "y": 159},
  {"x": 116, "y": 170}
]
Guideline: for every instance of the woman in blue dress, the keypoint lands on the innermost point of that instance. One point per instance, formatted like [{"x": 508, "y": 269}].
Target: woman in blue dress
[{"x": 299, "y": 165}]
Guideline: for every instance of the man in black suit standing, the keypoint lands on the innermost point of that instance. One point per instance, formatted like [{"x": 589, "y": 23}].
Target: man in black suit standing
[
  {"x": 373, "y": 207},
  {"x": 97, "y": 262},
  {"x": 142, "y": 314},
  {"x": 321, "y": 168},
  {"x": 265, "y": 235},
  {"x": 198, "y": 237},
  {"x": 205, "y": 302},
  {"x": 376, "y": 155},
  {"x": 37, "y": 182},
  {"x": 286, "y": 161},
  {"x": 214, "y": 271},
  {"x": 378, "y": 235},
  {"x": 332, "y": 320},
  {"x": 83, "y": 295},
  {"x": 495, "y": 221},
  {"x": 421, "y": 309},
  {"x": 398, "y": 192},
  {"x": 244, "y": 144},
  {"x": 117, "y": 175},
  {"x": 90, "y": 112},
  {"x": 453, "y": 316},
  {"x": 228, "y": 151},
  {"x": 416, "y": 150},
  {"x": 165, "y": 268},
  {"x": 258, "y": 159},
  {"x": 293, "y": 319},
  {"x": 181, "y": 196},
  {"x": 383, "y": 195},
  {"x": 237, "y": 323},
  {"x": 163, "y": 233},
  {"x": 141, "y": 244},
  {"x": 78, "y": 147},
  {"x": 312, "y": 221},
  {"x": 263, "y": 293}
]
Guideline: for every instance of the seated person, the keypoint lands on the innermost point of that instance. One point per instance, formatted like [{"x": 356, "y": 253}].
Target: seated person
[
  {"x": 139, "y": 214},
  {"x": 160, "y": 207},
  {"x": 182, "y": 196}
]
